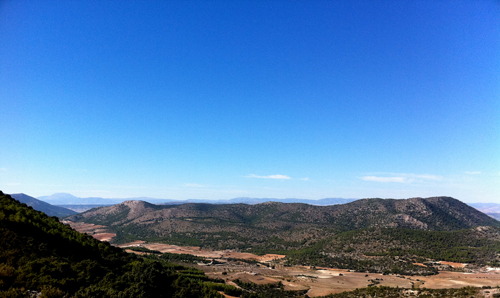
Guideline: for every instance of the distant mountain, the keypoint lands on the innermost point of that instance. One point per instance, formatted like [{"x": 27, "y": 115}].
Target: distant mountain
[
  {"x": 491, "y": 209},
  {"x": 47, "y": 208},
  {"x": 78, "y": 208},
  {"x": 253, "y": 201},
  {"x": 321, "y": 202},
  {"x": 494, "y": 215},
  {"x": 486, "y": 207},
  {"x": 69, "y": 199}
]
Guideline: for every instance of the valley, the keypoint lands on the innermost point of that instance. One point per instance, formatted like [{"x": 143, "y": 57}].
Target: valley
[
  {"x": 231, "y": 265},
  {"x": 320, "y": 281}
]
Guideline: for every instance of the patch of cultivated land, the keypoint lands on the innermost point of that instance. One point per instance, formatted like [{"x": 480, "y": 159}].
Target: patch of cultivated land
[
  {"x": 197, "y": 251},
  {"x": 97, "y": 231},
  {"x": 321, "y": 282}
]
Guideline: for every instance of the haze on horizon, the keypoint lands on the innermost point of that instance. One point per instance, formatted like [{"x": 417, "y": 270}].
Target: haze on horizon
[{"x": 223, "y": 99}]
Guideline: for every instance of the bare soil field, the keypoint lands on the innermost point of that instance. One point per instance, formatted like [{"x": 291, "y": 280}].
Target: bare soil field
[
  {"x": 104, "y": 236},
  {"x": 320, "y": 282},
  {"x": 454, "y": 265},
  {"x": 457, "y": 280},
  {"x": 197, "y": 251},
  {"x": 97, "y": 231}
]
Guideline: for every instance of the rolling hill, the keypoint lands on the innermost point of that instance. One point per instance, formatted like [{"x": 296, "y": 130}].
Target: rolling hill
[
  {"x": 283, "y": 220},
  {"x": 275, "y": 226},
  {"x": 377, "y": 235}
]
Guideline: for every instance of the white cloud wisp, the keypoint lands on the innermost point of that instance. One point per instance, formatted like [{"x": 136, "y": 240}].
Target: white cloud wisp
[
  {"x": 385, "y": 179},
  {"x": 402, "y": 178},
  {"x": 279, "y": 177}
]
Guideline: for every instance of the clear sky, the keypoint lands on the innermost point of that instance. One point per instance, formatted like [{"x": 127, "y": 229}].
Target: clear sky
[{"x": 224, "y": 99}]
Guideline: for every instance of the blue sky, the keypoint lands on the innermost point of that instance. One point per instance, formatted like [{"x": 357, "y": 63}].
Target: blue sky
[{"x": 224, "y": 99}]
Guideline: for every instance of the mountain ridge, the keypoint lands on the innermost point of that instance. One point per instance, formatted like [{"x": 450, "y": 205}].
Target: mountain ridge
[
  {"x": 240, "y": 225},
  {"x": 66, "y": 199},
  {"x": 42, "y": 206}
]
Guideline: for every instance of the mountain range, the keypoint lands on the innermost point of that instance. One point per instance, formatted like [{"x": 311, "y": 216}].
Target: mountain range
[
  {"x": 288, "y": 222},
  {"x": 69, "y": 199},
  {"x": 367, "y": 234},
  {"x": 71, "y": 204},
  {"x": 78, "y": 204},
  {"x": 42, "y": 206},
  {"x": 437, "y": 213}
]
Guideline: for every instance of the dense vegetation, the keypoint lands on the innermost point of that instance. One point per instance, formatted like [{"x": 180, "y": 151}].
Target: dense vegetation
[
  {"x": 184, "y": 258},
  {"x": 38, "y": 253},
  {"x": 384, "y": 265},
  {"x": 393, "y": 250},
  {"x": 477, "y": 245},
  {"x": 143, "y": 250}
]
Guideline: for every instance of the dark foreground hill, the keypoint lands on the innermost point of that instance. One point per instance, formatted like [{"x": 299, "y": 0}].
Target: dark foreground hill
[
  {"x": 40, "y": 254},
  {"x": 42, "y": 206}
]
